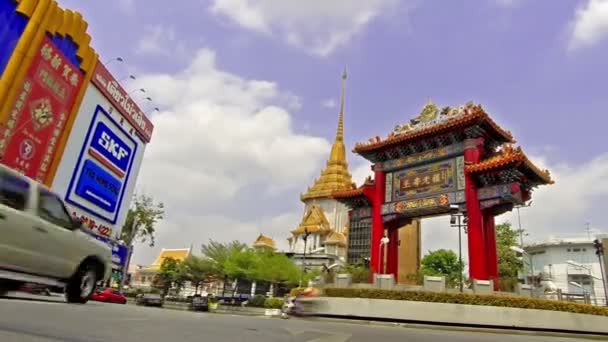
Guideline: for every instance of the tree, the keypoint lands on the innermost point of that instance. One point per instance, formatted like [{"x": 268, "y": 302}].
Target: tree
[
  {"x": 196, "y": 270},
  {"x": 218, "y": 254},
  {"x": 444, "y": 263},
  {"x": 509, "y": 264},
  {"x": 275, "y": 268},
  {"x": 359, "y": 273},
  {"x": 168, "y": 275},
  {"x": 141, "y": 220}
]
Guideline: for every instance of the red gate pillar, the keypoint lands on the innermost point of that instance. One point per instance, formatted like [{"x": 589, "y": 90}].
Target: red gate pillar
[
  {"x": 491, "y": 252},
  {"x": 473, "y": 149},
  {"x": 377, "y": 224},
  {"x": 392, "y": 258}
]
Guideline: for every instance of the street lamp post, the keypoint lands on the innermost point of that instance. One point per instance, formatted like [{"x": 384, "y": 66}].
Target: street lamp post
[
  {"x": 117, "y": 59},
  {"x": 455, "y": 221},
  {"x": 305, "y": 237}
]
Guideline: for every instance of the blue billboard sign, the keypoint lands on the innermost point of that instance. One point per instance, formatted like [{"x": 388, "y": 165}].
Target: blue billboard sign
[
  {"x": 103, "y": 167},
  {"x": 111, "y": 147},
  {"x": 98, "y": 186},
  {"x": 119, "y": 255}
]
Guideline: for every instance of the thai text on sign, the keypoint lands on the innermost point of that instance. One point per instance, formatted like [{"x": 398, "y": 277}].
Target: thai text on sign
[{"x": 29, "y": 138}]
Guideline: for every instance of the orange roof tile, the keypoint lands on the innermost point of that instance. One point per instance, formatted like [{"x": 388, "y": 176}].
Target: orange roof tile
[
  {"x": 348, "y": 193},
  {"x": 469, "y": 115},
  {"x": 510, "y": 156}
]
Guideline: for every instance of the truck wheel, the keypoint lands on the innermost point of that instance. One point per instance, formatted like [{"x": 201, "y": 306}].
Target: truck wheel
[{"x": 82, "y": 284}]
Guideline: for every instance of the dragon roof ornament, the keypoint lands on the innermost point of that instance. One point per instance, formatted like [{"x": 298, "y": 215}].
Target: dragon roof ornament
[{"x": 431, "y": 115}]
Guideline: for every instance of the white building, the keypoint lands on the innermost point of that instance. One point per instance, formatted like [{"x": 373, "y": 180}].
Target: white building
[{"x": 570, "y": 264}]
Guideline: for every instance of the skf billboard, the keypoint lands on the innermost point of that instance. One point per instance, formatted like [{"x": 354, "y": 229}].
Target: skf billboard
[{"x": 100, "y": 164}]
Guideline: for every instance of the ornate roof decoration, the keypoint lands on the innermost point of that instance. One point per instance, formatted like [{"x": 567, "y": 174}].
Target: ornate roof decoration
[
  {"x": 264, "y": 241},
  {"x": 432, "y": 121},
  {"x": 509, "y": 156},
  {"x": 336, "y": 238},
  {"x": 179, "y": 254},
  {"x": 335, "y": 176},
  {"x": 314, "y": 221}
]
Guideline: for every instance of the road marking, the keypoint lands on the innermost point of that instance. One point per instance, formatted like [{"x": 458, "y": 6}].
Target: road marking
[{"x": 328, "y": 337}]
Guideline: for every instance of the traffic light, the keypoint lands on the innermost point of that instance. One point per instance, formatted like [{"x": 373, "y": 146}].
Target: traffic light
[{"x": 599, "y": 248}]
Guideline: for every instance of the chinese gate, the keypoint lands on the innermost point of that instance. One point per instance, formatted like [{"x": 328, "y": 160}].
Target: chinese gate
[{"x": 454, "y": 158}]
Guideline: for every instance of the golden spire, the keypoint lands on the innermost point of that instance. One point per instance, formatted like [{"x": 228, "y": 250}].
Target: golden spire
[
  {"x": 335, "y": 176},
  {"x": 340, "y": 130}
]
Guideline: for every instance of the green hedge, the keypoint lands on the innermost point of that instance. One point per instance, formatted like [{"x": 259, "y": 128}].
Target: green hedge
[
  {"x": 257, "y": 301},
  {"x": 273, "y": 303},
  {"x": 462, "y": 298}
]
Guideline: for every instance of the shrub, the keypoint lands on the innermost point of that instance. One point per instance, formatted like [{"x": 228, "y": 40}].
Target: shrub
[
  {"x": 273, "y": 303},
  {"x": 258, "y": 301},
  {"x": 296, "y": 291},
  {"x": 463, "y": 298}
]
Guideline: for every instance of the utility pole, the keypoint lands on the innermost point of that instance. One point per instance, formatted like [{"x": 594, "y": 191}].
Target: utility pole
[
  {"x": 599, "y": 251},
  {"x": 521, "y": 232}
]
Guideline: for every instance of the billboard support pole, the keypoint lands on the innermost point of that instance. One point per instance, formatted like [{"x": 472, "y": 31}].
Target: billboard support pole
[{"x": 125, "y": 267}]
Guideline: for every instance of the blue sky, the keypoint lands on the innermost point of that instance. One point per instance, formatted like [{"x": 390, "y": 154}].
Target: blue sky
[{"x": 247, "y": 91}]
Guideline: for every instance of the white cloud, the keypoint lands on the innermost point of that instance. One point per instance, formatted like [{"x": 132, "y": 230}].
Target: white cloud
[
  {"x": 317, "y": 26},
  {"x": 590, "y": 24},
  {"x": 224, "y": 157},
  {"x": 160, "y": 40},
  {"x": 329, "y": 103},
  {"x": 361, "y": 171}
]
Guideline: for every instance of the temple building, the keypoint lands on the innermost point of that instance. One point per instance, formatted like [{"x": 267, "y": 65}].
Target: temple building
[
  {"x": 322, "y": 233},
  {"x": 264, "y": 243},
  {"x": 144, "y": 275}
]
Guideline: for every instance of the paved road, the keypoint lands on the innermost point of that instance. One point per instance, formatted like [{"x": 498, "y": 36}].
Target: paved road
[{"x": 51, "y": 321}]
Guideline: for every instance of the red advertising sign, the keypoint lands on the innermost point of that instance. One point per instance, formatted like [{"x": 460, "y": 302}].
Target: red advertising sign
[
  {"x": 120, "y": 99},
  {"x": 30, "y": 135}
]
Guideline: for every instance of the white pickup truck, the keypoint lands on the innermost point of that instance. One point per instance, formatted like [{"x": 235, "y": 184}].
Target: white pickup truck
[{"x": 41, "y": 243}]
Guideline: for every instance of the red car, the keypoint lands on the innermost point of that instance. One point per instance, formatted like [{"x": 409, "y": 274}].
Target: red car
[{"x": 109, "y": 296}]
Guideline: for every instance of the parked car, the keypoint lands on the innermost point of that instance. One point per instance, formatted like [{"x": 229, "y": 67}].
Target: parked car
[
  {"x": 42, "y": 243},
  {"x": 109, "y": 296},
  {"x": 199, "y": 303},
  {"x": 149, "y": 299}
]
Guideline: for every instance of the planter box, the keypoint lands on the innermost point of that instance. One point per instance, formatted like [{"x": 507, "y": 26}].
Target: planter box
[
  {"x": 458, "y": 314},
  {"x": 272, "y": 312}
]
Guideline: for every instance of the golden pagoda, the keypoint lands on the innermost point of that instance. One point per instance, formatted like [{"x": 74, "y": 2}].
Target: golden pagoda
[
  {"x": 324, "y": 218},
  {"x": 335, "y": 176}
]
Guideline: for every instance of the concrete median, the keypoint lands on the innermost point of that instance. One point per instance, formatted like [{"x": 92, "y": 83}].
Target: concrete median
[{"x": 456, "y": 315}]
